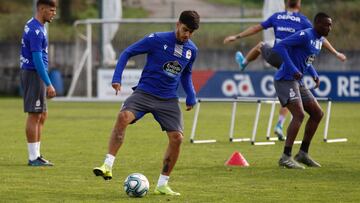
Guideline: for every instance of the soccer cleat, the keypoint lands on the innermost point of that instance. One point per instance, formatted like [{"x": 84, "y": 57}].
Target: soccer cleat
[
  {"x": 279, "y": 132},
  {"x": 165, "y": 190},
  {"x": 304, "y": 158},
  {"x": 288, "y": 162},
  {"x": 239, "y": 58},
  {"x": 104, "y": 171},
  {"x": 40, "y": 161}
]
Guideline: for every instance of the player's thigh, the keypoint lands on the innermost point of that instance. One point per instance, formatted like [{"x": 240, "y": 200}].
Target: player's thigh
[
  {"x": 169, "y": 115},
  {"x": 311, "y": 105}
]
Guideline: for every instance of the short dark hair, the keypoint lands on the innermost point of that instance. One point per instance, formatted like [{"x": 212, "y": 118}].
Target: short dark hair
[
  {"x": 190, "y": 18},
  {"x": 292, "y": 3},
  {"x": 320, "y": 16},
  {"x": 51, "y": 3}
]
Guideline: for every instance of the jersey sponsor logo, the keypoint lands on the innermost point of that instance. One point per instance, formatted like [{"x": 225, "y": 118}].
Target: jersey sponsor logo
[
  {"x": 286, "y": 29},
  {"x": 178, "y": 50},
  {"x": 288, "y": 17},
  {"x": 310, "y": 59},
  {"x": 172, "y": 68},
  {"x": 188, "y": 54}
]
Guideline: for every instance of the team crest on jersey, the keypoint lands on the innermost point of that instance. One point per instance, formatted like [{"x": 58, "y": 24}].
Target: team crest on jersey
[
  {"x": 310, "y": 59},
  {"x": 172, "y": 68},
  {"x": 188, "y": 54}
]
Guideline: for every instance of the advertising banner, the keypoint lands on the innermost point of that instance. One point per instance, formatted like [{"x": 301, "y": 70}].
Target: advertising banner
[{"x": 339, "y": 86}]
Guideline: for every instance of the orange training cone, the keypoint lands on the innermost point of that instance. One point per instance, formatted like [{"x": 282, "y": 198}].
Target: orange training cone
[{"x": 236, "y": 159}]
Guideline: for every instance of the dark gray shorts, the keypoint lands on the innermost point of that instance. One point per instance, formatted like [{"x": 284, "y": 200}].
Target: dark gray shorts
[
  {"x": 291, "y": 91},
  {"x": 270, "y": 56},
  {"x": 165, "y": 111},
  {"x": 34, "y": 92}
]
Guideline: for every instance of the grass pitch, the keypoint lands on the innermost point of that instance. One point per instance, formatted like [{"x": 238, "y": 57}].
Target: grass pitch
[{"x": 76, "y": 136}]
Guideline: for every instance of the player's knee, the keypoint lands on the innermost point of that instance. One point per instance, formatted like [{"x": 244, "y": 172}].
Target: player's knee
[
  {"x": 299, "y": 117},
  {"x": 124, "y": 118},
  {"x": 176, "y": 138},
  {"x": 43, "y": 117},
  {"x": 319, "y": 115}
]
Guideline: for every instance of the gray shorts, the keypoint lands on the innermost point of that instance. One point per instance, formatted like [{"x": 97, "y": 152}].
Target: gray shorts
[
  {"x": 34, "y": 92},
  {"x": 270, "y": 56},
  {"x": 165, "y": 111},
  {"x": 291, "y": 91}
]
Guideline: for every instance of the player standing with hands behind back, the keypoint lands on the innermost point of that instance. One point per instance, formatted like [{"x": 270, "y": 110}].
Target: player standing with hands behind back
[
  {"x": 34, "y": 77},
  {"x": 298, "y": 52},
  {"x": 170, "y": 57}
]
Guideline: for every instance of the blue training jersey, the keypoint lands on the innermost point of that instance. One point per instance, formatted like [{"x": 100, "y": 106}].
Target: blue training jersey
[
  {"x": 33, "y": 40},
  {"x": 286, "y": 23},
  {"x": 168, "y": 62},
  {"x": 298, "y": 52}
]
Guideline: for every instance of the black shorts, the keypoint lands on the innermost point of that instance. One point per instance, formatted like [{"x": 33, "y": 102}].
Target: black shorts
[
  {"x": 270, "y": 56},
  {"x": 34, "y": 92}
]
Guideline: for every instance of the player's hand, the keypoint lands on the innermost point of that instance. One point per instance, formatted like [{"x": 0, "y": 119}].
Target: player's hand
[
  {"x": 117, "y": 87},
  {"x": 230, "y": 38},
  {"x": 341, "y": 57},
  {"x": 297, "y": 76},
  {"x": 188, "y": 108},
  {"x": 50, "y": 92},
  {"x": 317, "y": 82}
]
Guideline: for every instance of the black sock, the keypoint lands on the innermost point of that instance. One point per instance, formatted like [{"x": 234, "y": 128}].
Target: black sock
[
  {"x": 305, "y": 146},
  {"x": 287, "y": 150}
]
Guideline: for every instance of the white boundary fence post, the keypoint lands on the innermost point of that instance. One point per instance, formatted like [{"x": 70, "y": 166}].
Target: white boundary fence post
[{"x": 196, "y": 116}]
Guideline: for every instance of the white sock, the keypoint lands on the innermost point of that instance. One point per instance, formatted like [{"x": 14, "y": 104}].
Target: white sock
[
  {"x": 32, "y": 151},
  {"x": 163, "y": 180},
  {"x": 38, "y": 149},
  {"x": 109, "y": 160}
]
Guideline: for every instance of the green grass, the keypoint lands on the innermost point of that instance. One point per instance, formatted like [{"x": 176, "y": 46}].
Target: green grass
[{"x": 76, "y": 136}]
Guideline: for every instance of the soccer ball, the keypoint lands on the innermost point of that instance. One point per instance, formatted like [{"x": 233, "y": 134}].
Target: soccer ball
[{"x": 136, "y": 185}]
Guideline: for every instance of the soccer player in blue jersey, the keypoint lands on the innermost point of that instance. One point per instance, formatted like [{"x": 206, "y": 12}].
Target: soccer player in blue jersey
[
  {"x": 298, "y": 52},
  {"x": 34, "y": 77},
  {"x": 284, "y": 24},
  {"x": 170, "y": 57}
]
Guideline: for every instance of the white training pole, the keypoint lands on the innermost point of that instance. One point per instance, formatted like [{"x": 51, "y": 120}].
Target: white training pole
[
  {"x": 327, "y": 121},
  {"x": 195, "y": 122},
  {"x": 232, "y": 122},
  {"x": 197, "y": 111},
  {"x": 271, "y": 117},
  {"x": 256, "y": 122}
]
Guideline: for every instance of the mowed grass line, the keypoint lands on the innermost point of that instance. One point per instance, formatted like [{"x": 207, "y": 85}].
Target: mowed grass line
[{"x": 76, "y": 138}]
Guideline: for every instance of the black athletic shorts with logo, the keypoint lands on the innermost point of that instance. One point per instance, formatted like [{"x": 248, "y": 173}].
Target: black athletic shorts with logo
[
  {"x": 289, "y": 91},
  {"x": 34, "y": 92},
  {"x": 166, "y": 112}
]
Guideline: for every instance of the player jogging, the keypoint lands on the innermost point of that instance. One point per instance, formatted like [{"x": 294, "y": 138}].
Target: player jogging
[
  {"x": 34, "y": 77},
  {"x": 170, "y": 57},
  {"x": 298, "y": 52},
  {"x": 284, "y": 24}
]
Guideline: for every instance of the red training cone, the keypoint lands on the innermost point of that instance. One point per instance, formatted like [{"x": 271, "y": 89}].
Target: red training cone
[{"x": 236, "y": 159}]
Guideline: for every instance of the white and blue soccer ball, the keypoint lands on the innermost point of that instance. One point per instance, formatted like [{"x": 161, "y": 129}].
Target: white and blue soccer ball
[{"x": 136, "y": 185}]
